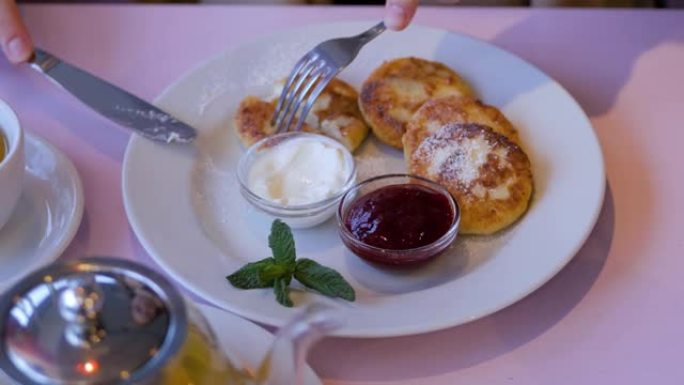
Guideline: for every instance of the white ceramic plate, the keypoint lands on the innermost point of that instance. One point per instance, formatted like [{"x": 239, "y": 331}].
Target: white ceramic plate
[
  {"x": 244, "y": 342},
  {"x": 47, "y": 216},
  {"x": 185, "y": 207}
]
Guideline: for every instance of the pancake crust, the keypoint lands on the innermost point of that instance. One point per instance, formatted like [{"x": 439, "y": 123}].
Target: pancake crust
[
  {"x": 488, "y": 174},
  {"x": 396, "y": 89},
  {"x": 435, "y": 113},
  {"x": 335, "y": 114}
]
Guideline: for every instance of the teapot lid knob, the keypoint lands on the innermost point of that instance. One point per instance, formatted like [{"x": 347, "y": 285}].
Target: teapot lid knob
[{"x": 81, "y": 300}]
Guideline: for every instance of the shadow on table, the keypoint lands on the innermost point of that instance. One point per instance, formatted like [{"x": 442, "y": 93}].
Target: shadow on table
[
  {"x": 476, "y": 342},
  {"x": 594, "y": 64},
  {"x": 78, "y": 248}
]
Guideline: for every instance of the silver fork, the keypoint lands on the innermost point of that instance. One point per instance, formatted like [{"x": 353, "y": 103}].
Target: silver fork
[{"x": 313, "y": 72}]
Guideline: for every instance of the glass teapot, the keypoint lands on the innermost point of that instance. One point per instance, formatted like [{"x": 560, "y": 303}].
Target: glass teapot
[{"x": 110, "y": 321}]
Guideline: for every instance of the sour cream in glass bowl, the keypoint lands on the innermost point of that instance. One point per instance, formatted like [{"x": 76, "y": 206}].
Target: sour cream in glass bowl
[{"x": 297, "y": 177}]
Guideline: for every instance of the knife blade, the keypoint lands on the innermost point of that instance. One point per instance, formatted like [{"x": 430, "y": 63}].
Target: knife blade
[{"x": 112, "y": 102}]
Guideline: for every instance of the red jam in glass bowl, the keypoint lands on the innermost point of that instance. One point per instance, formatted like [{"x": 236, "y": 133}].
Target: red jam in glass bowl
[{"x": 398, "y": 219}]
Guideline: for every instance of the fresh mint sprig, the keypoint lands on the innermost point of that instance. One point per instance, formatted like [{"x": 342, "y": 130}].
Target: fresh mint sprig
[
  {"x": 278, "y": 270},
  {"x": 323, "y": 279}
]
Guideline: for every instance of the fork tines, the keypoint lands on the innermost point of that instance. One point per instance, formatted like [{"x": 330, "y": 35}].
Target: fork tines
[{"x": 306, "y": 82}]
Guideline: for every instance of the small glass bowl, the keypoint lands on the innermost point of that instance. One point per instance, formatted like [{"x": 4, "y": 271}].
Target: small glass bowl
[
  {"x": 296, "y": 216},
  {"x": 390, "y": 256}
]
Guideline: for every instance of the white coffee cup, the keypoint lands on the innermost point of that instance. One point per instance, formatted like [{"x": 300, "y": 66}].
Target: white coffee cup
[{"x": 12, "y": 165}]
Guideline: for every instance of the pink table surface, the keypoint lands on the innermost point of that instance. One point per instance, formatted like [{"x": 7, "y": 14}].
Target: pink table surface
[{"x": 613, "y": 315}]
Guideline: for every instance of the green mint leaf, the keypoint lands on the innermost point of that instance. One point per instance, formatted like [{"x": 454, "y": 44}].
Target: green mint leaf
[
  {"x": 282, "y": 292},
  {"x": 277, "y": 271},
  {"x": 323, "y": 279},
  {"x": 274, "y": 271},
  {"x": 251, "y": 275},
  {"x": 282, "y": 243}
]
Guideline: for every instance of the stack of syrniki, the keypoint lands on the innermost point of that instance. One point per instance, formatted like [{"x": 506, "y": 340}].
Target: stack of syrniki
[
  {"x": 452, "y": 138},
  {"x": 447, "y": 134}
]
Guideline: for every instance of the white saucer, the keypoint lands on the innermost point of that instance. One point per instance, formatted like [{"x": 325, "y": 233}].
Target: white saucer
[
  {"x": 245, "y": 343},
  {"x": 47, "y": 216}
]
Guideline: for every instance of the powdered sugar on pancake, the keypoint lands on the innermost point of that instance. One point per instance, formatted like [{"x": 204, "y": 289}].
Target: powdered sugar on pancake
[{"x": 452, "y": 159}]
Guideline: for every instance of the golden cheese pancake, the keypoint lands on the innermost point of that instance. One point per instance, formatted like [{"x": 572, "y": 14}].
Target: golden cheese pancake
[
  {"x": 488, "y": 174},
  {"x": 335, "y": 114},
  {"x": 252, "y": 120},
  {"x": 396, "y": 89},
  {"x": 435, "y": 113}
]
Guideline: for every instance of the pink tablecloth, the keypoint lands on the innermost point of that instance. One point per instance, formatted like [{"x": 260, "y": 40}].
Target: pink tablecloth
[{"x": 612, "y": 316}]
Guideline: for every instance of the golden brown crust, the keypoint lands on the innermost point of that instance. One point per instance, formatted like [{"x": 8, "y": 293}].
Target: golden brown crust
[
  {"x": 335, "y": 114},
  {"x": 396, "y": 89},
  {"x": 251, "y": 120},
  {"x": 489, "y": 175},
  {"x": 437, "y": 112}
]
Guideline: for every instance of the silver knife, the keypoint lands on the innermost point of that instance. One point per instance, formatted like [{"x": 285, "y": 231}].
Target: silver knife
[{"x": 112, "y": 102}]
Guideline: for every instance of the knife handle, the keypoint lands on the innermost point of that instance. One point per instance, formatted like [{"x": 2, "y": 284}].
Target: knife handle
[{"x": 42, "y": 60}]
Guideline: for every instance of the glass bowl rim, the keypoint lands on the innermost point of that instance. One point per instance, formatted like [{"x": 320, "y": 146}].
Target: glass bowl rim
[
  {"x": 450, "y": 234},
  {"x": 262, "y": 202}
]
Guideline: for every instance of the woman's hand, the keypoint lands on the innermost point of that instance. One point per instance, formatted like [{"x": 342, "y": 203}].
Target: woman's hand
[
  {"x": 398, "y": 13},
  {"x": 14, "y": 37}
]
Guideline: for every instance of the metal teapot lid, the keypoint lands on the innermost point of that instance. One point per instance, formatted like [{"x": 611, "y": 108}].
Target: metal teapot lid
[{"x": 94, "y": 321}]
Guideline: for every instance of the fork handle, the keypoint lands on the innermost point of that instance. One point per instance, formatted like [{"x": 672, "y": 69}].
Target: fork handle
[{"x": 372, "y": 33}]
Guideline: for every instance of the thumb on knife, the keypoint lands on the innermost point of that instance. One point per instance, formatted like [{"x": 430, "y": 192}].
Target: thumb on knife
[{"x": 14, "y": 37}]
